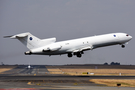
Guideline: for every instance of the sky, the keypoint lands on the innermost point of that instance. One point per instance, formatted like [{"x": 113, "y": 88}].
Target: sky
[{"x": 66, "y": 19}]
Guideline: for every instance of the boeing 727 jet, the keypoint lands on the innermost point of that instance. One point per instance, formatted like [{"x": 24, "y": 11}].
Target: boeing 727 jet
[{"x": 70, "y": 47}]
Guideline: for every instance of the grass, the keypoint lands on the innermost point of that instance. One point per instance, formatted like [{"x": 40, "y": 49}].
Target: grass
[
  {"x": 100, "y": 71},
  {"x": 55, "y": 71},
  {"x": 114, "y": 82},
  {"x": 83, "y": 71},
  {"x": 3, "y": 69}
]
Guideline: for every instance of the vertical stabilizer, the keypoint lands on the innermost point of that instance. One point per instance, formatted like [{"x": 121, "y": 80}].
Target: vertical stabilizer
[
  {"x": 30, "y": 40},
  {"x": 27, "y": 39}
]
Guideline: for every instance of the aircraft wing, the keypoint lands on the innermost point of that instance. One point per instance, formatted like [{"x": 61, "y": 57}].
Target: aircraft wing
[{"x": 84, "y": 48}]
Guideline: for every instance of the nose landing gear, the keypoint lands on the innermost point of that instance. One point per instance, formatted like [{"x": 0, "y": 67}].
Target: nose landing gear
[{"x": 123, "y": 46}]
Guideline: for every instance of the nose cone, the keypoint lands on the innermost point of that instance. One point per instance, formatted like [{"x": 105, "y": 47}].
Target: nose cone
[{"x": 130, "y": 37}]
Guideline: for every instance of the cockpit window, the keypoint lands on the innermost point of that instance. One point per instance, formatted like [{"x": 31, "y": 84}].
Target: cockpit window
[{"x": 127, "y": 35}]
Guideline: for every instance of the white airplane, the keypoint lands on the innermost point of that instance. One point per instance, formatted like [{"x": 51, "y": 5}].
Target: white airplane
[
  {"x": 70, "y": 47},
  {"x": 29, "y": 66}
]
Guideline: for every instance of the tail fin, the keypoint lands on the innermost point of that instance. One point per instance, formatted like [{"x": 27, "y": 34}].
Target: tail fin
[
  {"x": 31, "y": 41},
  {"x": 27, "y": 39}
]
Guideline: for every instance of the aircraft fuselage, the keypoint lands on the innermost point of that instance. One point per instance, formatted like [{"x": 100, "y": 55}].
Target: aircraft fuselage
[
  {"x": 83, "y": 44},
  {"x": 70, "y": 47}
]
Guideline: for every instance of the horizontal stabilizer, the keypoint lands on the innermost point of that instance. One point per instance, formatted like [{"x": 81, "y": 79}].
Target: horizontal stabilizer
[
  {"x": 7, "y": 36},
  {"x": 18, "y": 35}
]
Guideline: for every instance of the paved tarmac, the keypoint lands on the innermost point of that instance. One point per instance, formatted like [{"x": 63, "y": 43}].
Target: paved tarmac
[
  {"x": 23, "y": 70},
  {"x": 14, "y": 85},
  {"x": 39, "y": 77},
  {"x": 62, "y": 77}
]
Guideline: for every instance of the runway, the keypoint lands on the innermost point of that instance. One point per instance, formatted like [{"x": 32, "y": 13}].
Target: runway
[
  {"x": 62, "y": 77},
  {"x": 24, "y": 70},
  {"x": 40, "y": 78},
  {"x": 40, "y": 72},
  {"x": 56, "y": 82}
]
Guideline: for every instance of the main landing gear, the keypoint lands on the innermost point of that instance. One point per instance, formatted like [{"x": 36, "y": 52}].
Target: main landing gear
[
  {"x": 78, "y": 54},
  {"x": 69, "y": 55}
]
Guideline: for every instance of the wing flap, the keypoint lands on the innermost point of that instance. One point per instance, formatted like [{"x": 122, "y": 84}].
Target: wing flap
[{"x": 83, "y": 49}]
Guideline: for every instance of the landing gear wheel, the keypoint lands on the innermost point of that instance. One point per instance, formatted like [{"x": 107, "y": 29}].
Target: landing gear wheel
[
  {"x": 123, "y": 46},
  {"x": 69, "y": 55},
  {"x": 79, "y": 54}
]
